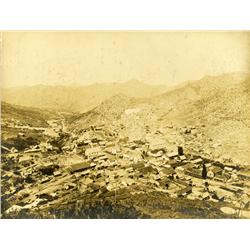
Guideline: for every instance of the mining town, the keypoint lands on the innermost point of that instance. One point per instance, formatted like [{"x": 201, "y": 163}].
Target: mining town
[
  {"x": 125, "y": 125},
  {"x": 95, "y": 173}
]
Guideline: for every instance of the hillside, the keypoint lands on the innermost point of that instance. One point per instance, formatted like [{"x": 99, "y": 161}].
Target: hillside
[
  {"x": 109, "y": 111},
  {"x": 222, "y": 96},
  {"x": 222, "y": 105},
  {"x": 77, "y": 98},
  {"x": 25, "y": 116}
]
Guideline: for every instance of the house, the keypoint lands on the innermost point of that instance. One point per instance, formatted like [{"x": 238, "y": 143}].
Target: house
[
  {"x": 146, "y": 170},
  {"x": 176, "y": 164},
  {"x": 102, "y": 143},
  {"x": 197, "y": 161},
  {"x": 96, "y": 139},
  {"x": 208, "y": 165},
  {"x": 228, "y": 169},
  {"x": 86, "y": 142},
  {"x": 25, "y": 159},
  {"x": 21, "y": 135},
  {"x": 103, "y": 158},
  {"x": 33, "y": 150},
  {"x": 185, "y": 191},
  {"x": 193, "y": 172},
  {"x": 133, "y": 145},
  {"x": 99, "y": 127},
  {"x": 206, "y": 196},
  {"x": 138, "y": 165},
  {"x": 113, "y": 150},
  {"x": 155, "y": 147},
  {"x": 167, "y": 171},
  {"x": 166, "y": 166},
  {"x": 172, "y": 155},
  {"x": 45, "y": 146},
  {"x": 183, "y": 158},
  {"x": 92, "y": 152},
  {"x": 244, "y": 174},
  {"x": 57, "y": 173},
  {"x": 157, "y": 155},
  {"x": 216, "y": 170},
  {"x": 232, "y": 167},
  {"x": 79, "y": 166},
  {"x": 45, "y": 179}
]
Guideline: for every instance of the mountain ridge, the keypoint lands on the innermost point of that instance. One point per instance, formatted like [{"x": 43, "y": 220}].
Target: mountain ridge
[{"x": 77, "y": 98}]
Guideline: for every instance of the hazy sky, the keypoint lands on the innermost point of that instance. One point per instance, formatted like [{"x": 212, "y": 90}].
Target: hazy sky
[{"x": 30, "y": 58}]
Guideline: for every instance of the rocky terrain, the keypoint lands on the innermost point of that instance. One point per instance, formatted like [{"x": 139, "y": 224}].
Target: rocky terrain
[{"x": 180, "y": 154}]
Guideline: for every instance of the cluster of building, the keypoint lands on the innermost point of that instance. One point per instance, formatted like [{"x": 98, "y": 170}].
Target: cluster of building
[{"x": 114, "y": 167}]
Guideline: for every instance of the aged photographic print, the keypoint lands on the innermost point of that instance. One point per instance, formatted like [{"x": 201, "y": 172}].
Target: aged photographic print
[{"x": 122, "y": 124}]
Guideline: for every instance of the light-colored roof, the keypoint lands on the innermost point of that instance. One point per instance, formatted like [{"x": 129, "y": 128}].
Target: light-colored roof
[
  {"x": 157, "y": 146},
  {"x": 94, "y": 150},
  {"x": 172, "y": 154},
  {"x": 79, "y": 166}
]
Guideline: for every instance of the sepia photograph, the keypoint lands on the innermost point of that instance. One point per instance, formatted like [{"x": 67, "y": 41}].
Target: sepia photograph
[{"x": 125, "y": 124}]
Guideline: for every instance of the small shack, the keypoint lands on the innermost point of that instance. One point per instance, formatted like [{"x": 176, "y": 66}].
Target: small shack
[
  {"x": 91, "y": 152},
  {"x": 77, "y": 167}
]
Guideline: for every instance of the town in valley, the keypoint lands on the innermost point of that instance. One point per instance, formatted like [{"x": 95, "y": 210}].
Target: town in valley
[{"x": 127, "y": 149}]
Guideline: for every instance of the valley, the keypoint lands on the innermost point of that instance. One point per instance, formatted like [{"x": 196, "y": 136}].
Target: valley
[{"x": 175, "y": 153}]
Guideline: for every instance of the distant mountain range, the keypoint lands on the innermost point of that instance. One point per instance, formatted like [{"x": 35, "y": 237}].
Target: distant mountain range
[
  {"x": 77, "y": 98},
  {"x": 226, "y": 95}
]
